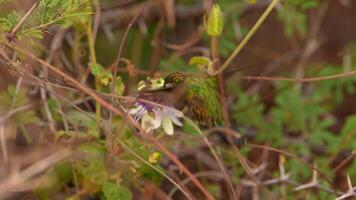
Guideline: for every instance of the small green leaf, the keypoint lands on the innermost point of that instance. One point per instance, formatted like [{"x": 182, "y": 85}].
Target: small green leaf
[
  {"x": 215, "y": 24},
  {"x": 52, "y": 103},
  {"x": 116, "y": 192},
  {"x": 105, "y": 78},
  {"x": 26, "y": 117},
  {"x": 203, "y": 63},
  {"x": 4, "y": 1},
  {"x": 101, "y": 74},
  {"x": 96, "y": 69},
  {"x": 35, "y": 33},
  {"x": 154, "y": 157},
  {"x": 119, "y": 86},
  {"x": 199, "y": 60},
  {"x": 310, "y": 4}
]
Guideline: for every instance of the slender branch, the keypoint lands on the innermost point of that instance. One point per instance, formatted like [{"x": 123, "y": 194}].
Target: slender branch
[
  {"x": 114, "y": 67},
  {"x": 216, "y": 157},
  {"x": 299, "y": 80},
  {"x": 14, "y": 31},
  {"x": 248, "y": 36},
  {"x": 322, "y": 175}
]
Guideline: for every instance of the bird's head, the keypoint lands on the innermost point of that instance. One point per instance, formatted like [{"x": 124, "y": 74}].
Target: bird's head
[{"x": 174, "y": 79}]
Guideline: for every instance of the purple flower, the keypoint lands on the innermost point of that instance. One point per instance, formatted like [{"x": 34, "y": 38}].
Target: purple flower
[{"x": 153, "y": 116}]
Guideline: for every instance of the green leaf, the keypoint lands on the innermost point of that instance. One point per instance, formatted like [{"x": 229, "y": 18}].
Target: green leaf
[
  {"x": 95, "y": 172},
  {"x": 199, "y": 60},
  {"x": 113, "y": 191},
  {"x": 101, "y": 74},
  {"x": 215, "y": 23},
  {"x": 120, "y": 86},
  {"x": 34, "y": 33},
  {"x": 96, "y": 69},
  {"x": 310, "y": 4},
  {"x": 203, "y": 63},
  {"x": 52, "y": 103},
  {"x": 26, "y": 117},
  {"x": 85, "y": 120},
  {"x": 348, "y": 133},
  {"x": 96, "y": 150},
  {"x": 54, "y": 180},
  {"x": 4, "y": 1}
]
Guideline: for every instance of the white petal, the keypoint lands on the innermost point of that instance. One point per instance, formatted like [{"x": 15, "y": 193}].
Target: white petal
[
  {"x": 178, "y": 113},
  {"x": 150, "y": 122},
  {"x": 176, "y": 121},
  {"x": 167, "y": 125},
  {"x": 174, "y": 115}
]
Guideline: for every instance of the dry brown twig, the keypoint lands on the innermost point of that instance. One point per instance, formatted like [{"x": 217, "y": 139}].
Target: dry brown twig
[
  {"x": 312, "y": 43},
  {"x": 16, "y": 180},
  {"x": 345, "y": 161},
  {"x": 313, "y": 167},
  {"x": 350, "y": 193}
]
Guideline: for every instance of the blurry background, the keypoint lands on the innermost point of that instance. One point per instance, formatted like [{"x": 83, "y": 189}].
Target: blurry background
[{"x": 314, "y": 121}]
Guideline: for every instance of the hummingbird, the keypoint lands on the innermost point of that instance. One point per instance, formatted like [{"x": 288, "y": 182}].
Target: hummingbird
[{"x": 195, "y": 95}]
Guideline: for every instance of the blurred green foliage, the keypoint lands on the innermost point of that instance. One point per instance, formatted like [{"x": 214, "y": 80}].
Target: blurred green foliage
[{"x": 13, "y": 103}]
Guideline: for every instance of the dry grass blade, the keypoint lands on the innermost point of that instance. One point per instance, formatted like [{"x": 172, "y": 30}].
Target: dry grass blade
[{"x": 16, "y": 180}]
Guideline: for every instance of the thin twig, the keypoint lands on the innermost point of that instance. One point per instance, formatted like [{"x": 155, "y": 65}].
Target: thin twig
[
  {"x": 14, "y": 31},
  {"x": 216, "y": 157},
  {"x": 3, "y": 142},
  {"x": 351, "y": 192},
  {"x": 299, "y": 80},
  {"x": 114, "y": 67},
  {"x": 213, "y": 174},
  {"x": 96, "y": 21},
  {"x": 346, "y": 160},
  {"x": 322, "y": 175},
  {"x": 312, "y": 43}
]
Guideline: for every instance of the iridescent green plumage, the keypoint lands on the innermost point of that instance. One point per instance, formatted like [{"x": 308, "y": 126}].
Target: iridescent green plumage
[
  {"x": 197, "y": 95},
  {"x": 202, "y": 100},
  {"x": 200, "y": 97}
]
